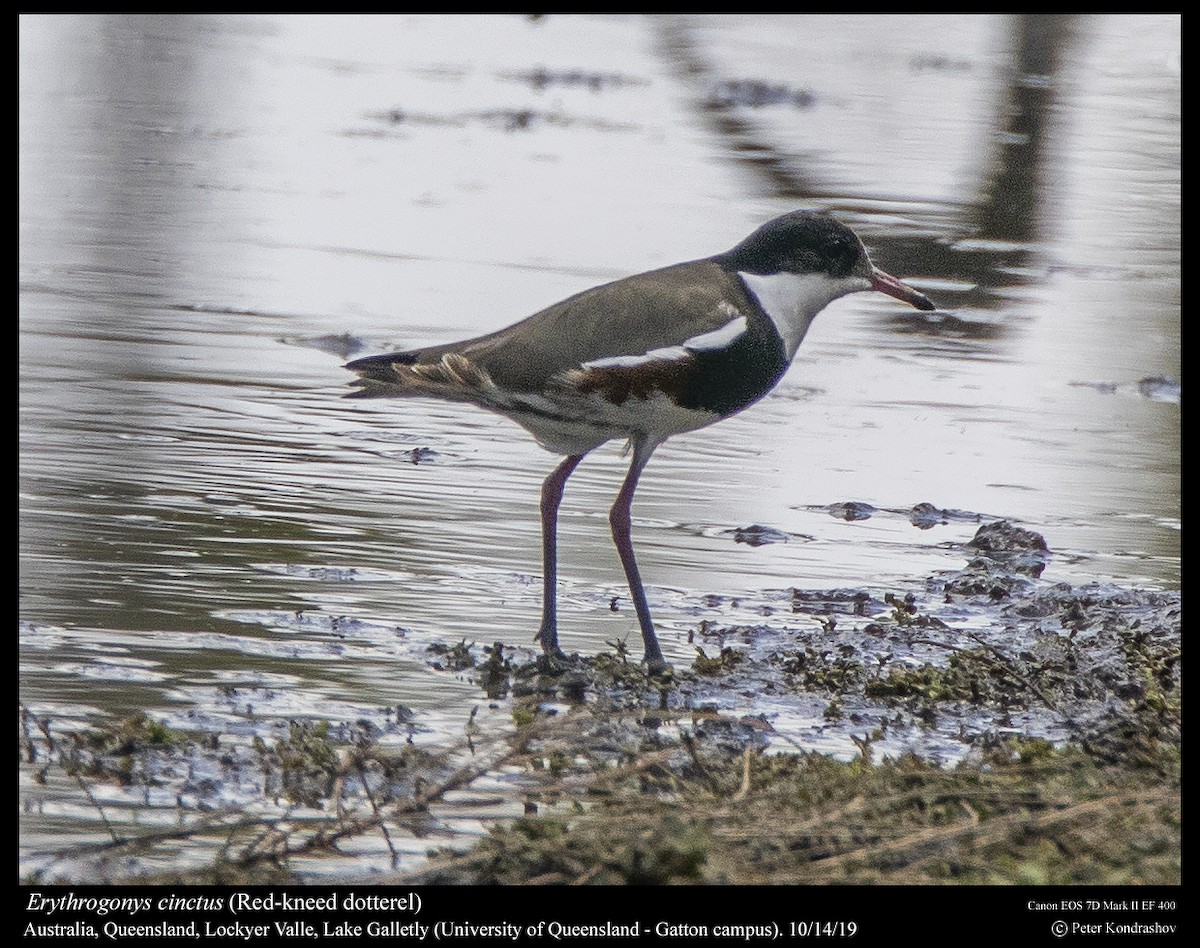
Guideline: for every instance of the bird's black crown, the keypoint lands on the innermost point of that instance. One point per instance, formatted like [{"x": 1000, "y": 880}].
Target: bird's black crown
[{"x": 799, "y": 242}]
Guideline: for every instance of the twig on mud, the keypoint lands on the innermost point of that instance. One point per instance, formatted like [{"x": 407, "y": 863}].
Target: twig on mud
[
  {"x": 326, "y": 839},
  {"x": 149, "y": 839},
  {"x": 709, "y": 779},
  {"x": 387, "y": 837},
  {"x": 267, "y": 845},
  {"x": 864, "y": 746},
  {"x": 1012, "y": 670},
  {"x": 608, "y": 777},
  {"x": 44, "y": 727},
  {"x": 26, "y": 737},
  {"x": 744, "y": 790},
  {"x": 1000, "y": 659},
  {"x": 116, "y": 838},
  {"x": 587, "y": 876},
  {"x": 993, "y": 831}
]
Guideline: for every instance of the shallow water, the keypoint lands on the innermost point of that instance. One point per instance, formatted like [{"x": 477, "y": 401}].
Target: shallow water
[{"x": 216, "y": 211}]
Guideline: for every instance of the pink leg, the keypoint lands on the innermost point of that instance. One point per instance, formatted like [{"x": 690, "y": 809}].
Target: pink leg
[
  {"x": 552, "y": 491},
  {"x": 620, "y": 519}
]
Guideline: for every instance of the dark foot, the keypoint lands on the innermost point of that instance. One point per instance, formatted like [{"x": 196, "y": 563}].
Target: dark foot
[
  {"x": 658, "y": 667},
  {"x": 553, "y": 662},
  {"x": 547, "y": 638}
]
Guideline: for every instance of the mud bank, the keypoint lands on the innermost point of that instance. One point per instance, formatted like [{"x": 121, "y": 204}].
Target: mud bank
[{"x": 987, "y": 728}]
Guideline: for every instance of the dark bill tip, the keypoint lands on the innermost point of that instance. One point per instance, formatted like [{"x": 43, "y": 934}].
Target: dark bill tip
[{"x": 886, "y": 283}]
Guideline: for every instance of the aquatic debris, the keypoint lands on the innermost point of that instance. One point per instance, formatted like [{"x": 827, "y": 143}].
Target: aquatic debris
[
  {"x": 542, "y": 78},
  {"x": 851, "y": 510},
  {"x": 1159, "y": 388},
  {"x": 756, "y": 535},
  {"x": 924, "y": 516},
  {"x": 755, "y": 94},
  {"x": 1016, "y": 548},
  {"x": 393, "y": 121}
]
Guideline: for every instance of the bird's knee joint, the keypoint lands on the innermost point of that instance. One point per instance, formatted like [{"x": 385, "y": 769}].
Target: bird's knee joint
[{"x": 619, "y": 519}]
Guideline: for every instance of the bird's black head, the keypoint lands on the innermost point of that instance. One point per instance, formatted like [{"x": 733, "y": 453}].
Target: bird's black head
[{"x": 800, "y": 242}]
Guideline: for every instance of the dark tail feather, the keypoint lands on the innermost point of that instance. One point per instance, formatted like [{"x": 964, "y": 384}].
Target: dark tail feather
[{"x": 376, "y": 377}]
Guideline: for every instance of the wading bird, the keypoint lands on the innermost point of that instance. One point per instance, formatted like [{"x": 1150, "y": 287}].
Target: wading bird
[{"x": 644, "y": 358}]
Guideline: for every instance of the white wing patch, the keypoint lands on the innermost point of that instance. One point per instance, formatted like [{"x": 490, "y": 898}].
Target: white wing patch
[{"x": 720, "y": 338}]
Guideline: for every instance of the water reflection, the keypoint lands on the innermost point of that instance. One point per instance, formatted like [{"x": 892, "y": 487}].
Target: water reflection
[{"x": 216, "y": 211}]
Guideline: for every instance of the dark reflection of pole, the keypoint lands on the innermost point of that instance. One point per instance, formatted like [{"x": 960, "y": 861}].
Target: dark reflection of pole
[
  {"x": 783, "y": 174},
  {"x": 1009, "y": 208},
  {"x": 787, "y": 174},
  {"x": 1007, "y": 205}
]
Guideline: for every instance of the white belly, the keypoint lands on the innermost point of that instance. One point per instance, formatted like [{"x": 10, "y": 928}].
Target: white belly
[{"x": 581, "y": 422}]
